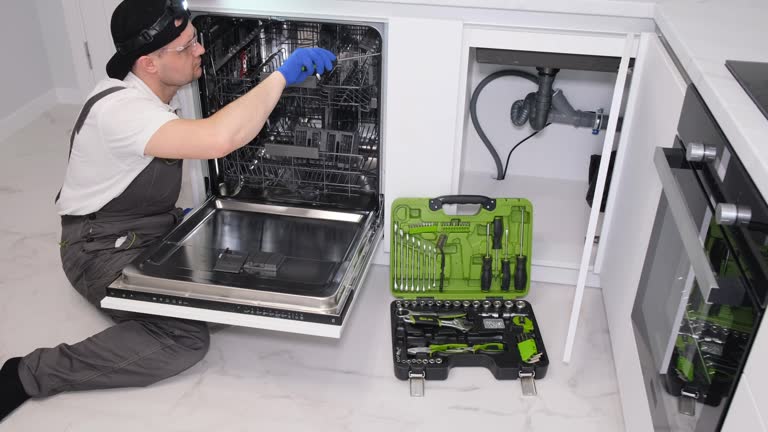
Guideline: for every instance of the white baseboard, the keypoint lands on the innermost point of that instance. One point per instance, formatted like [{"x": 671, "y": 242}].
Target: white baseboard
[
  {"x": 24, "y": 115},
  {"x": 70, "y": 96},
  {"x": 33, "y": 109}
]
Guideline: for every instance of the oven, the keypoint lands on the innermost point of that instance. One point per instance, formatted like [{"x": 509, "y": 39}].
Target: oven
[{"x": 702, "y": 291}]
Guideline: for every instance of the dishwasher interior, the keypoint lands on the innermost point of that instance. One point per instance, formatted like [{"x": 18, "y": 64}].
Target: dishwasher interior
[
  {"x": 321, "y": 142},
  {"x": 292, "y": 219}
]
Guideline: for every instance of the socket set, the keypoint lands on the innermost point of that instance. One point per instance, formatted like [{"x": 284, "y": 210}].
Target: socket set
[
  {"x": 459, "y": 279},
  {"x": 432, "y": 336}
]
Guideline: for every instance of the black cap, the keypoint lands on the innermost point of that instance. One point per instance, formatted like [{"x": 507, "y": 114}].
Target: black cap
[{"x": 140, "y": 27}]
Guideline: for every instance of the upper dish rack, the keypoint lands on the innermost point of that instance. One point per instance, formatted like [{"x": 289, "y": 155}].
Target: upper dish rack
[{"x": 321, "y": 142}]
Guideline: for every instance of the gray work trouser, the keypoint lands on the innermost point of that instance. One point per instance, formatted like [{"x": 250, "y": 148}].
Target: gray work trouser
[{"x": 137, "y": 351}]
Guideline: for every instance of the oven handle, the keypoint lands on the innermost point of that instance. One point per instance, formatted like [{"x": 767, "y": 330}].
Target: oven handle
[{"x": 686, "y": 226}]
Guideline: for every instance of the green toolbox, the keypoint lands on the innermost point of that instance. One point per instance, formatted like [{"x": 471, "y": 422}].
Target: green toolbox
[{"x": 459, "y": 280}]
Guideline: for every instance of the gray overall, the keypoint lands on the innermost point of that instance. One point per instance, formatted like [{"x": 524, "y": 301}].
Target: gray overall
[{"x": 139, "y": 349}]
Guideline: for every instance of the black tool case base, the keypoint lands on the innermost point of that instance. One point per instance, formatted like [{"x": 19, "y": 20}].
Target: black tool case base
[
  {"x": 495, "y": 328},
  {"x": 507, "y": 365}
]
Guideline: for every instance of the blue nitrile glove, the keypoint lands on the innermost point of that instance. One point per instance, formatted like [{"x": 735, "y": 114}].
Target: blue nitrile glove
[{"x": 305, "y": 62}]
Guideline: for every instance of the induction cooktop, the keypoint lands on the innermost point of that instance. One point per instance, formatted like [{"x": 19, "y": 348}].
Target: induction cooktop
[{"x": 753, "y": 77}]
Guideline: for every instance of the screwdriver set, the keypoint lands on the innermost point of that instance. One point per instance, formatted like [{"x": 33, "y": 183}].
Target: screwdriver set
[{"x": 459, "y": 279}]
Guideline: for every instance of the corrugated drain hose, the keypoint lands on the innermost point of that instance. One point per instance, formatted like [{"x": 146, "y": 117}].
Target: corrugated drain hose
[
  {"x": 522, "y": 108},
  {"x": 473, "y": 111}
]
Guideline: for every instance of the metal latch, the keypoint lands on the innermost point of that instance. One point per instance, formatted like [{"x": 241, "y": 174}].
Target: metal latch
[
  {"x": 687, "y": 403},
  {"x": 598, "y": 122},
  {"x": 528, "y": 383},
  {"x": 417, "y": 383}
]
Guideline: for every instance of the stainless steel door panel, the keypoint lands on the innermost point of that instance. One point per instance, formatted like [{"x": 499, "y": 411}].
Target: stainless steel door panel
[{"x": 285, "y": 257}]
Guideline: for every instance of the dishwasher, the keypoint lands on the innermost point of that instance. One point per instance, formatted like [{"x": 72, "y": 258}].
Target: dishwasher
[{"x": 286, "y": 234}]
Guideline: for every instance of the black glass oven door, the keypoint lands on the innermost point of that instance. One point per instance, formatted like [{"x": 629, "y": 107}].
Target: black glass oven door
[{"x": 693, "y": 316}]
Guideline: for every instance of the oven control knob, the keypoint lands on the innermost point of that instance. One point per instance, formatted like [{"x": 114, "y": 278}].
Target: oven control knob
[
  {"x": 698, "y": 152},
  {"x": 732, "y": 214}
]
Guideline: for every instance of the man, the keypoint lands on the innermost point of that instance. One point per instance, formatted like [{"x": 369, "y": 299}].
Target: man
[{"x": 119, "y": 194}]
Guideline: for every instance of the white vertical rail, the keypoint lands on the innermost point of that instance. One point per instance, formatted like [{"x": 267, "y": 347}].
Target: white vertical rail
[{"x": 602, "y": 173}]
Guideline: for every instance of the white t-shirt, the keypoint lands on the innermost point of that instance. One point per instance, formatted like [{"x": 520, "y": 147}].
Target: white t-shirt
[{"x": 108, "y": 153}]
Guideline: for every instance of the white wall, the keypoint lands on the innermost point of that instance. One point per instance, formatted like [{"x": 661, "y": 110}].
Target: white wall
[
  {"x": 40, "y": 72},
  {"x": 26, "y": 72},
  {"x": 53, "y": 28}
]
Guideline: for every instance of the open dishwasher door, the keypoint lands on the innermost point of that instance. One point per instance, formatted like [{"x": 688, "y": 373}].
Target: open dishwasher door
[{"x": 292, "y": 219}]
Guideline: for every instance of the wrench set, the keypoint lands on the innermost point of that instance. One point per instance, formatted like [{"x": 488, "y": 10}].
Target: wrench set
[
  {"x": 458, "y": 303},
  {"x": 415, "y": 262}
]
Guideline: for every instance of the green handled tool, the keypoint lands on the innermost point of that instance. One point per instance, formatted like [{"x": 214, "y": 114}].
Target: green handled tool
[
  {"x": 460, "y": 324},
  {"x": 487, "y": 272},
  {"x": 506, "y": 275},
  {"x": 521, "y": 273},
  {"x": 529, "y": 352},
  {"x": 456, "y": 320},
  {"x": 498, "y": 231},
  {"x": 524, "y": 322}
]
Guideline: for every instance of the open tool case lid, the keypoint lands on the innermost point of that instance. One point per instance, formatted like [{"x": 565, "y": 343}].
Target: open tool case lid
[{"x": 415, "y": 256}]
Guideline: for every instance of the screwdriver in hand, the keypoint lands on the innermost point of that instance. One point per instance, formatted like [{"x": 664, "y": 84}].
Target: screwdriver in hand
[
  {"x": 486, "y": 276},
  {"x": 505, "y": 273},
  {"x": 521, "y": 276}
]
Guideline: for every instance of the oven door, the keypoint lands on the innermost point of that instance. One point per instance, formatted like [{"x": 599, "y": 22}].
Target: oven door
[{"x": 693, "y": 317}]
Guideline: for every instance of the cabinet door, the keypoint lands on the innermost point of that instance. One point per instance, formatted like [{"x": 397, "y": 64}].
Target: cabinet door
[
  {"x": 744, "y": 414},
  {"x": 96, "y": 17},
  {"x": 653, "y": 110},
  {"x": 756, "y": 373}
]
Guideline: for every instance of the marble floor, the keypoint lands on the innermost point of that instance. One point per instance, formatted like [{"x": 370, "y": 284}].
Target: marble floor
[{"x": 260, "y": 380}]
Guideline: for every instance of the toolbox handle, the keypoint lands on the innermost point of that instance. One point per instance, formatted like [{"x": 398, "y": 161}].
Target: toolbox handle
[{"x": 436, "y": 204}]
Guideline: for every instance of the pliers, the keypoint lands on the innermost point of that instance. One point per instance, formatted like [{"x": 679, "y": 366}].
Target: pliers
[{"x": 438, "y": 319}]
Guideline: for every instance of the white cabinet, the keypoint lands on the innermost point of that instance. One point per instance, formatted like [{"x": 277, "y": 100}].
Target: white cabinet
[
  {"x": 755, "y": 373},
  {"x": 653, "y": 110},
  {"x": 551, "y": 168},
  {"x": 422, "y": 66},
  {"x": 745, "y": 411},
  {"x": 96, "y": 17}
]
